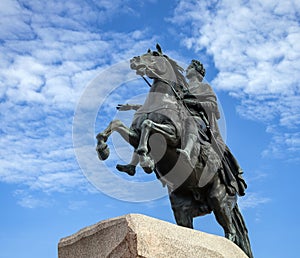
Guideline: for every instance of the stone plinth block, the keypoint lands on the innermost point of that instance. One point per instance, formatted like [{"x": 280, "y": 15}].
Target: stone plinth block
[{"x": 136, "y": 235}]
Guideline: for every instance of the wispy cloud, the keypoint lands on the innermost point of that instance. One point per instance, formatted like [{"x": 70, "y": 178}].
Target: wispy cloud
[
  {"x": 49, "y": 51},
  {"x": 254, "y": 45},
  {"x": 252, "y": 200},
  {"x": 27, "y": 200}
]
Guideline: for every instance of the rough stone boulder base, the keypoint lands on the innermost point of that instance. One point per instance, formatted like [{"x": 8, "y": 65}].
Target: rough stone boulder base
[{"x": 136, "y": 235}]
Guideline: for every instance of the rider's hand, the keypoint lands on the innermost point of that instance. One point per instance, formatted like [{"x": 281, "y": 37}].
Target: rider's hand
[
  {"x": 126, "y": 107},
  {"x": 123, "y": 107}
]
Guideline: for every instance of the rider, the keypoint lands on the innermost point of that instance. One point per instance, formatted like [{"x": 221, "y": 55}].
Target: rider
[
  {"x": 202, "y": 104},
  {"x": 201, "y": 101}
]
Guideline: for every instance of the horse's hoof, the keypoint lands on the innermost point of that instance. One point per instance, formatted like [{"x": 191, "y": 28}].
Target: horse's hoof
[
  {"x": 129, "y": 169},
  {"x": 103, "y": 152},
  {"x": 230, "y": 236},
  {"x": 147, "y": 164},
  {"x": 101, "y": 137},
  {"x": 148, "y": 170}
]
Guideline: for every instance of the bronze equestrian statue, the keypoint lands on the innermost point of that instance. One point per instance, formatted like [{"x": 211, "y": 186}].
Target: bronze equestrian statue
[{"x": 201, "y": 174}]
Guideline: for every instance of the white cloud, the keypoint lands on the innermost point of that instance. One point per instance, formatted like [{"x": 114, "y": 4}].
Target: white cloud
[
  {"x": 282, "y": 143},
  {"x": 48, "y": 55},
  {"x": 252, "y": 200},
  {"x": 26, "y": 200},
  {"x": 255, "y": 47}
]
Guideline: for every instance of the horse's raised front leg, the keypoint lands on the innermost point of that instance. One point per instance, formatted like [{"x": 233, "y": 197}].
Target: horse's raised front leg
[
  {"x": 116, "y": 125},
  {"x": 148, "y": 127}
]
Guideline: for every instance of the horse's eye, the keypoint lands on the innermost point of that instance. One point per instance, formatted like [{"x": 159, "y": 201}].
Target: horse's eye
[{"x": 155, "y": 53}]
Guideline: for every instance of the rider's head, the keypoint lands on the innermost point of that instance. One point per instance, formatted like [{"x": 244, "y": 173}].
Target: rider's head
[{"x": 199, "y": 68}]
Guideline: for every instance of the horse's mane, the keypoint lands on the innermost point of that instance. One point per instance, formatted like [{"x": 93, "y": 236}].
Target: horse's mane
[
  {"x": 180, "y": 77},
  {"x": 181, "y": 81}
]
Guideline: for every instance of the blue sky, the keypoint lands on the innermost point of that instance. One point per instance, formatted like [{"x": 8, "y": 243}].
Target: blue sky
[{"x": 55, "y": 52}]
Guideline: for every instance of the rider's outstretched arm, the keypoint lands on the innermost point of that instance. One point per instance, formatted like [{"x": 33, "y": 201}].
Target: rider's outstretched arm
[{"x": 125, "y": 107}]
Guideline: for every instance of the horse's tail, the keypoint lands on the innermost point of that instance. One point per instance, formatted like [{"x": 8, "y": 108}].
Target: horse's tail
[{"x": 242, "y": 239}]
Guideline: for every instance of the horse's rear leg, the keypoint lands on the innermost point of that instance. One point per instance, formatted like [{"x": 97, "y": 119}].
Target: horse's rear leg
[
  {"x": 181, "y": 210},
  {"x": 183, "y": 218},
  {"x": 218, "y": 200}
]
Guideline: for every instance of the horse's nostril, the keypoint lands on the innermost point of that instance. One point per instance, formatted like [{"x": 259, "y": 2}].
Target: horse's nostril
[{"x": 135, "y": 59}]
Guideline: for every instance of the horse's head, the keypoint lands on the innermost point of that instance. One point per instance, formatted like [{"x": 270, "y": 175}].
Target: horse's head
[{"x": 156, "y": 65}]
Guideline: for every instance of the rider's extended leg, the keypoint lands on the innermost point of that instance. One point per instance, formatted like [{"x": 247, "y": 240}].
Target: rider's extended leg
[
  {"x": 190, "y": 137},
  {"x": 129, "y": 168}
]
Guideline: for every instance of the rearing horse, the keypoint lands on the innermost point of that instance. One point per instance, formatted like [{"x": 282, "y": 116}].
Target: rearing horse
[{"x": 193, "y": 190}]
